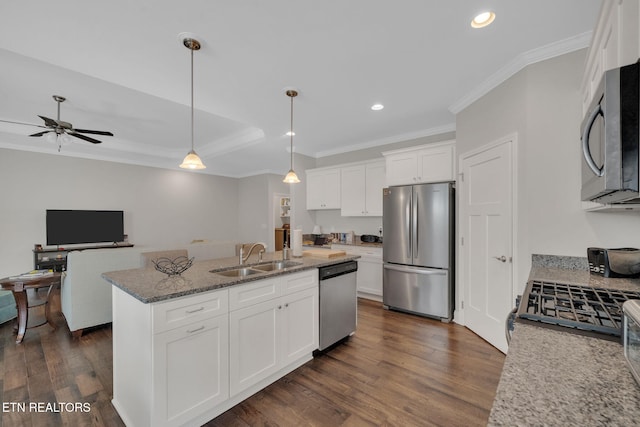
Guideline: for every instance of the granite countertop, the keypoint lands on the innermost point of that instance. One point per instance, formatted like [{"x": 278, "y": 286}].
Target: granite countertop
[
  {"x": 149, "y": 285},
  {"x": 552, "y": 377}
]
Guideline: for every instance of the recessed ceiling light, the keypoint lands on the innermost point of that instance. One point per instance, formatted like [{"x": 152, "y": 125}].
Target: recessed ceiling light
[
  {"x": 483, "y": 19},
  {"x": 377, "y": 107}
]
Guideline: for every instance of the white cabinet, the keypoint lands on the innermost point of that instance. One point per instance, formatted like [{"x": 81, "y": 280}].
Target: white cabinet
[
  {"x": 369, "y": 277},
  {"x": 170, "y": 359},
  {"x": 427, "y": 163},
  {"x": 187, "y": 360},
  {"x": 323, "y": 189},
  {"x": 190, "y": 370},
  {"x": 361, "y": 189},
  {"x": 616, "y": 42},
  {"x": 254, "y": 345},
  {"x": 272, "y": 334}
]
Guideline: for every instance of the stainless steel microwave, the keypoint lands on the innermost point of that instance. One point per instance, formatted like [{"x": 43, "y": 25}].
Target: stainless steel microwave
[{"x": 611, "y": 138}]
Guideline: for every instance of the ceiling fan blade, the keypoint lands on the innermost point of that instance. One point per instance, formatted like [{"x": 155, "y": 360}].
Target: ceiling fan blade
[
  {"x": 49, "y": 122},
  {"x": 86, "y": 138},
  {"x": 96, "y": 132},
  {"x": 21, "y": 123},
  {"x": 41, "y": 133}
]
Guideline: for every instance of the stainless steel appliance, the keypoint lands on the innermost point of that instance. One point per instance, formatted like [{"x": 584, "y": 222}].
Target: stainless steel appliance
[
  {"x": 610, "y": 139},
  {"x": 631, "y": 336},
  {"x": 338, "y": 302},
  {"x": 587, "y": 310},
  {"x": 418, "y": 249}
]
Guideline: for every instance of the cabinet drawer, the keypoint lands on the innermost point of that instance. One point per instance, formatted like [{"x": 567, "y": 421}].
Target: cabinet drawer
[
  {"x": 182, "y": 311},
  {"x": 253, "y": 293},
  {"x": 299, "y": 281}
]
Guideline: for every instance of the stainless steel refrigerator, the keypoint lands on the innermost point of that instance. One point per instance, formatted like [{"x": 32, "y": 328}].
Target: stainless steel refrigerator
[{"x": 418, "y": 249}]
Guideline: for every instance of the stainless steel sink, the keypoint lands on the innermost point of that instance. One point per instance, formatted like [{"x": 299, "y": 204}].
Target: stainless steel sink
[
  {"x": 238, "y": 272},
  {"x": 276, "y": 265}
]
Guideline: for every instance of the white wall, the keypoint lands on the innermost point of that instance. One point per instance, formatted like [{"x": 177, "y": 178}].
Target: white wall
[
  {"x": 542, "y": 105},
  {"x": 253, "y": 208},
  {"x": 256, "y": 207},
  {"x": 161, "y": 206}
]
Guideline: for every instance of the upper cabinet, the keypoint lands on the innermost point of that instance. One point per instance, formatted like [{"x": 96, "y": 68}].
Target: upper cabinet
[
  {"x": 361, "y": 189},
  {"x": 616, "y": 42},
  {"x": 323, "y": 188},
  {"x": 426, "y": 163}
]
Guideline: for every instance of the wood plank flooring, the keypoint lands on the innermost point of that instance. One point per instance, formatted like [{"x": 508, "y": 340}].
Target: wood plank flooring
[{"x": 398, "y": 370}]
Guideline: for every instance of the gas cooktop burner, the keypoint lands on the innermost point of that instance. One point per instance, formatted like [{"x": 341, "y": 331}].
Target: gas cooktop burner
[{"x": 591, "y": 311}]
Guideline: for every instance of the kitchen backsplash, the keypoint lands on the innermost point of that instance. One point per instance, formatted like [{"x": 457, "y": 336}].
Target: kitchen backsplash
[{"x": 557, "y": 261}]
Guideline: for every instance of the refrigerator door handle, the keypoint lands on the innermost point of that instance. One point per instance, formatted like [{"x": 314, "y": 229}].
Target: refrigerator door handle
[
  {"x": 415, "y": 236},
  {"x": 424, "y": 271},
  {"x": 407, "y": 231}
]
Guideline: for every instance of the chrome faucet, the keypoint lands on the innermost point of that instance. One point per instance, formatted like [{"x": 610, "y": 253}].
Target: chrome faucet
[{"x": 242, "y": 258}]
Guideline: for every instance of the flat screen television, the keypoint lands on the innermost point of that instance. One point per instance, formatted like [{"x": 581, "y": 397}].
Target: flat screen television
[{"x": 67, "y": 227}]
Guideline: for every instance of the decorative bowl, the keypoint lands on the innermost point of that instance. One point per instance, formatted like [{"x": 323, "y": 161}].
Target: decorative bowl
[{"x": 172, "y": 267}]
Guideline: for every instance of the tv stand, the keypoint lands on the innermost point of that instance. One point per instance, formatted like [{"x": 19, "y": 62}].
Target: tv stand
[{"x": 56, "y": 258}]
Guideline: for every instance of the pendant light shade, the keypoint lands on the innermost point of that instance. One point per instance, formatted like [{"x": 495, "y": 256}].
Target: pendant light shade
[
  {"x": 291, "y": 177},
  {"x": 192, "y": 160}
]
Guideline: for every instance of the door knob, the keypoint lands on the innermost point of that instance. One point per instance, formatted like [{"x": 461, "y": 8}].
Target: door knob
[{"x": 501, "y": 259}]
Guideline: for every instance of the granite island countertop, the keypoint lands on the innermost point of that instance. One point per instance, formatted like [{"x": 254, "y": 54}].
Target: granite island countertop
[
  {"x": 553, "y": 377},
  {"x": 149, "y": 285}
]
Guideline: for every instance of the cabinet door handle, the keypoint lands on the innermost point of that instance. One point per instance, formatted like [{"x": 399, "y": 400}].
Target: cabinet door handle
[
  {"x": 190, "y": 331},
  {"x": 195, "y": 310},
  {"x": 286, "y": 305},
  {"x": 279, "y": 307}
]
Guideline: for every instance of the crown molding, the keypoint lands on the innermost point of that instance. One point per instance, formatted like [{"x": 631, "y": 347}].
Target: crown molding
[
  {"x": 451, "y": 127},
  {"x": 523, "y": 60}
]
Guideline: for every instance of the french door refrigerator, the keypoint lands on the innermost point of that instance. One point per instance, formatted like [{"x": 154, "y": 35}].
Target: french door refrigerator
[{"x": 418, "y": 249}]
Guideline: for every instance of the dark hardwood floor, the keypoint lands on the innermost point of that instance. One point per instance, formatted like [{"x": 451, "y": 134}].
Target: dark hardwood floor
[{"x": 398, "y": 370}]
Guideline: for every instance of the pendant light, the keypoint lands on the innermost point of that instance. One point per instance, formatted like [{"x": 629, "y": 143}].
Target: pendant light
[
  {"x": 192, "y": 161},
  {"x": 291, "y": 177}
]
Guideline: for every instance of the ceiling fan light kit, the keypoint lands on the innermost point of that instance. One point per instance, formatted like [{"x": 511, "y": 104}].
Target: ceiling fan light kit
[
  {"x": 191, "y": 160},
  {"x": 62, "y": 130},
  {"x": 291, "y": 177}
]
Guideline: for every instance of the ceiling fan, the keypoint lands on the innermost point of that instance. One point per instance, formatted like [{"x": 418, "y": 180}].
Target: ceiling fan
[{"x": 61, "y": 128}]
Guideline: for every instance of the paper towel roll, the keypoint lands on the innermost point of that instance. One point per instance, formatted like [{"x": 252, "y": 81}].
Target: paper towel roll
[{"x": 296, "y": 244}]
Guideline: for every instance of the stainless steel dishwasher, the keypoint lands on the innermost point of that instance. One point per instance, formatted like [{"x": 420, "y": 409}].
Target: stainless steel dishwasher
[{"x": 338, "y": 302}]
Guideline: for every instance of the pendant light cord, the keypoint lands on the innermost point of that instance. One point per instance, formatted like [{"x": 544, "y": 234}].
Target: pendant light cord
[
  {"x": 291, "y": 133},
  {"x": 191, "y": 98}
]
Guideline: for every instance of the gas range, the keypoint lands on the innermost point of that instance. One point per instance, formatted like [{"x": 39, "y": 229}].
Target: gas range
[{"x": 586, "y": 310}]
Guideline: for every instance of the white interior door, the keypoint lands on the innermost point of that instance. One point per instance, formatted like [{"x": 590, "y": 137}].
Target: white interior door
[{"x": 486, "y": 239}]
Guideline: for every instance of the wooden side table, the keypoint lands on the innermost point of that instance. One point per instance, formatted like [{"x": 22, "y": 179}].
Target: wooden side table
[{"x": 19, "y": 289}]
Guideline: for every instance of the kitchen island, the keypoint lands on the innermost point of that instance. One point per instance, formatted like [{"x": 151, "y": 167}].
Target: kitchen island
[
  {"x": 187, "y": 348},
  {"x": 552, "y": 377}
]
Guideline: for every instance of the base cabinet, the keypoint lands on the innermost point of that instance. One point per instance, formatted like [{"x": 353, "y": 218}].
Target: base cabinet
[
  {"x": 185, "y": 361},
  {"x": 369, "y": 277},
  {"x": 254, "y": 346},
  {"x": 190, "y": 370},
  {"x": 268, "y": 336}
]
